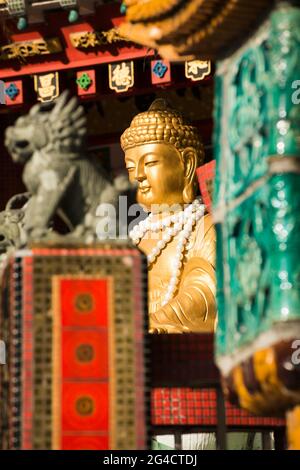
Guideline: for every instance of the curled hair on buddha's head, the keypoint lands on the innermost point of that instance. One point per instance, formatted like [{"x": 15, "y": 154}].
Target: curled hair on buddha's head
[{"x": 163, "y": 124}]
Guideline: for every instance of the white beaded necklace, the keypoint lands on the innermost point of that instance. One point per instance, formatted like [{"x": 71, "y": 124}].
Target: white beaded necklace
[{"x": 180, "y": 224}]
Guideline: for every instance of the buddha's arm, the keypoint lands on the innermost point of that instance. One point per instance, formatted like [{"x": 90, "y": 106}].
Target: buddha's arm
[{"x": 193, "y": 309}]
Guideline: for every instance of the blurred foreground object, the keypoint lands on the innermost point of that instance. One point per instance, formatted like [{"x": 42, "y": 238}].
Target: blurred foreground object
[
  {"x": 256, "y": 210},
  {"x": 183, "y": 30},
  {"x": 74, "y": 323}
]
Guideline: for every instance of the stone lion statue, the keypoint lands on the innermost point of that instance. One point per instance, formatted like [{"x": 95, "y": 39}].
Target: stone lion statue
[{"x": 58, "y": 173}]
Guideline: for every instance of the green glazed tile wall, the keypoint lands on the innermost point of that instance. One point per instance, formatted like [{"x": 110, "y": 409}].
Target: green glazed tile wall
[{"x": 256, "y": 203}]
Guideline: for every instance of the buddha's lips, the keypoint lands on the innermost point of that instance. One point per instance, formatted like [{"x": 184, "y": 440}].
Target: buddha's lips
[{"x": 144, "y": 189}]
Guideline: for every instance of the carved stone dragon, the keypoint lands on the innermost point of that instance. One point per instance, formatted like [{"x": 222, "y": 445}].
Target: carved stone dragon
[{"x": 58, "y": 173}]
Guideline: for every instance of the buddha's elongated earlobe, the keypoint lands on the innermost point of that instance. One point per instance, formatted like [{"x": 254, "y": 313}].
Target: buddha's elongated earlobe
[
  {"x": 189, "y": 157},
  {"x": 188, "y": 194}
]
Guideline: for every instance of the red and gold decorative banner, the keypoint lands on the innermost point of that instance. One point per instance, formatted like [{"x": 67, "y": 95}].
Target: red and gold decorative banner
[
  {"x": 13, "y": 93},
  {"x": 75, "y": 345},
  {"x": 46, "y": 86},
  {"x": 121, "y": 76},
  {"x": 82, "y": 328},
  {"x": 86, "y": 82},
  {"x": 160, "y": 71},
  {"x": 197, "y": 69}
]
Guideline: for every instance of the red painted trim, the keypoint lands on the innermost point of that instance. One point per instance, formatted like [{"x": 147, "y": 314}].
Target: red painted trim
[
  {"x": 52, "y": 66},
  {"x": 56, "y": 25}
]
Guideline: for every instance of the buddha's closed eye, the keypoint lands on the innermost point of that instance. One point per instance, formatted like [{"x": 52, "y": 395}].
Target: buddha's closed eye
[
  {"x": 151, "y": 163},
  {"x": 130, "y": 167}
]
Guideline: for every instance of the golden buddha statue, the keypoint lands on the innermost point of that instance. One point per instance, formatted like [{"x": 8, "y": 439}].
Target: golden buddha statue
[{"x": 162, "y": 153}]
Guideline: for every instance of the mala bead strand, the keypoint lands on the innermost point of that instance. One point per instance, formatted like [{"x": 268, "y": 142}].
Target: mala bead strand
[{"x": 181, "y": 224}]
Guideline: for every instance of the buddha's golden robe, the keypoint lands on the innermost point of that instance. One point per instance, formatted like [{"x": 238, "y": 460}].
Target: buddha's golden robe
[{"x": 193, "y": 308}]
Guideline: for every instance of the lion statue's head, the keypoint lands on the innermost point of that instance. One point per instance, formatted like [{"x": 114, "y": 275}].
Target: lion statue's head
[{"x": 56, "y": 127}]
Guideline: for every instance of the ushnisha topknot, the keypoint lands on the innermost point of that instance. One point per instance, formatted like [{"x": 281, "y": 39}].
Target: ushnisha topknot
[{"x": 162, "y": 123}]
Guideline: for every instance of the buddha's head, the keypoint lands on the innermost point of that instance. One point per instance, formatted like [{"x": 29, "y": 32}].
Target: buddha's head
[{"x": 162, "y": 152}]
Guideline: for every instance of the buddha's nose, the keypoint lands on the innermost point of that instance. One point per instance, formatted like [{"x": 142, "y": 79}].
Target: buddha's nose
[
  {"x": 140, "y": 174},
  {"x": 140, "y": 178}
]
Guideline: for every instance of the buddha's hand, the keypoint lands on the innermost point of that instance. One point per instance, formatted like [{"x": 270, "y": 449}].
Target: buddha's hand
[{"x": 159, "y": 328}]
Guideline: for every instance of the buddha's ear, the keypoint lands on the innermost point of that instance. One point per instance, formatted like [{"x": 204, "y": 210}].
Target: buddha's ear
[{"x": 189, "y": 157}]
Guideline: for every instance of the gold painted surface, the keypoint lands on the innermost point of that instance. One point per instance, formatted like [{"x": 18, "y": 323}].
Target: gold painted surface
[
  {"x": 191, "y": 29},
  {"x": 274, "y": 397},
  {"x": 139, "y": 11},
  {"x": 25, "y": 49},
  {"x": 293, "y": 428},
  {"x": 46, "y": 86},
  {"x": 247, "y": 401},
  {"x": 155, "y": 20},
  {"x": 90, "y": 39},
  {"x": 193, "y": 308},
  {"x": 162, "y": 153},
  {"x": 197, "y": 69},
  {"x": 265, "y": 373}
]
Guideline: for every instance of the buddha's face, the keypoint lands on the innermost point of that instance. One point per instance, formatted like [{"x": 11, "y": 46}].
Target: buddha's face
[{"x": 158, "y": 171}]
